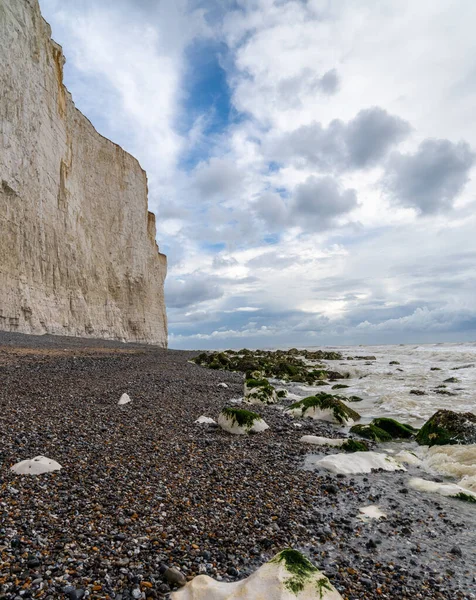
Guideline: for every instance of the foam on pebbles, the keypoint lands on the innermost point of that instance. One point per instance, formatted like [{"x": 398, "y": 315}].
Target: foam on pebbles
[
  {"x": 358, "y": 462},
  {"x": 124, "y": 399},
  {"x": 275, "y": 580},
  {"x": 36, "y": 466}
]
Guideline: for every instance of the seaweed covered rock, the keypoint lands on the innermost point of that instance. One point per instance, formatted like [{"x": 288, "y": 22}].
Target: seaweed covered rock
[
  {"x": 448, "y": 427},
  {"x": 259, "y": 391},
  {"x": 339, "y": 386},
  {"x": 351, "y": 445},
  {"x": 240, "y": 422},
  {"x": 287, "y": 576},
  {"x": 394, "y": 428},
  {"x": 264, "y": 364},
  {"x": 371, "y": 432},
  {"x": 324, "y": 407}
]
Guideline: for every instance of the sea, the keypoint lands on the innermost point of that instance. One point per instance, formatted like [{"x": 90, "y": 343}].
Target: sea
[{"x": 385, "y": 385}]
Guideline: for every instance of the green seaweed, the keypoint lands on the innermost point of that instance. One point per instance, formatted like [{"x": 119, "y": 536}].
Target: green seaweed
[
  {"x": 351, "y": 445},
  {"x": 394, "y": 428},
  {"x": 301, "y": 570},
  {"x": 371, "y": 432},
  {"x": 244, "y": 418},
  {"x": 339, "y": 386},
  {"x": 465, "y": 497},
  {"x": 447, "y": 427},
  {"x": 342, "y": 412}
]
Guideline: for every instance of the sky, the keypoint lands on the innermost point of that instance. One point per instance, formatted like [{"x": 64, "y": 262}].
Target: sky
[{"x": 311, "y": 162}]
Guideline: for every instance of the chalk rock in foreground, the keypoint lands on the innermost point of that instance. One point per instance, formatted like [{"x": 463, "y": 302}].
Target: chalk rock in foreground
[
  {"x": 124, "y": 399},
  {"x": 222, "y": 385},
  {"x": 240, "y": 422},
  {"x": 36, "y": 466},
  {"x": 288, "y": 576},
  {"x": 358, "y": 462}
]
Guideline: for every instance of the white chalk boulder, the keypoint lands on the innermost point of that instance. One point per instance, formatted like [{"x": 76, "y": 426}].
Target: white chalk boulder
[
  {"x": 240, "y": 422},
  {"x": 124, "y": 399},
  {"x": 444, "y": 489},
  {"x": 205, "y": 420},
  {"x": 36, "y": 466},
  {"x": 288, "y": 576},
  {"x": 368, "y": 513},
  {"x": 322, "y": 441},
  {"x": 223, "y": 385},
  {"x": 324, "y": 407},
  {"x": 358, "y": 462},
  {"x": 259, "y": 391}
]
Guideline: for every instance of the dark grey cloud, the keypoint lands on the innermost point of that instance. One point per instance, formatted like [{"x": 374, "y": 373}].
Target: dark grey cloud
[
  {"x": 431, "y": 178},
  {"x": 371, "y": 134},
  {"x": 182, "y": 293},
  {"x": 360, "y": 143},
  {"x": 305, "y": 83},
  {"x": 218, "y": 177},
  {"x": 272, "y": 209},
  {"x": 223, "y": 262},
  {"x": 319, "y": 200}
]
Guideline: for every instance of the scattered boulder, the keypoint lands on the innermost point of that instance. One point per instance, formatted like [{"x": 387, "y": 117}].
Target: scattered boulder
[
  {"x": 351, "y": 445},
  {"x": 36, "y": 466},
  {"x": 451, "y": 380},
  {"x": 394, "y": 428},
  {"x": 287, "y": 576},
  {"x": 259, "y": 391},
  {"x": 444, "y": 489},
  {"x": 358, "y": 462},
  {"x": 124, "y": 399},
  {"x": 448, "y": 427},
  {"x": 173, "y": 576},
  {"x": 240, "y": 422},
  {"x": 418, "y": 392},
  {"x": 394, "y": 362},
  {"x": 223, "y": 385},
  {"x": 371, "y": 432},
  {"x": 435, "y": 369},
  {"x": 205, "y": 420},
  {"x": 323, "y": 441},
  {"x": 279, "y": 364},
  {"x": 324, "y": 407},
  {"x": 368, "y": 513},
  {"x": 339, "y": 386}
]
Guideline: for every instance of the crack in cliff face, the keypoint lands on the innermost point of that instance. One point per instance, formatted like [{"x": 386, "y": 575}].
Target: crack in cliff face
[
  {"x": 59, "y": 61},
  {"x": 77, "y": 246}
]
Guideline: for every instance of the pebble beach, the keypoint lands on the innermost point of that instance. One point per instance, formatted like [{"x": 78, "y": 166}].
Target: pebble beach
[{"x": 143, "y": 487}]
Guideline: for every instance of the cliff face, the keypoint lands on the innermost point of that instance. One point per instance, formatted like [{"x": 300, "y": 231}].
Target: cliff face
[{"x": 77, "y": 245}]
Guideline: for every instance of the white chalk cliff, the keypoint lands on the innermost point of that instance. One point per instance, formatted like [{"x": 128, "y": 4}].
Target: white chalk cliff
[{"x": 78, "y": 254}]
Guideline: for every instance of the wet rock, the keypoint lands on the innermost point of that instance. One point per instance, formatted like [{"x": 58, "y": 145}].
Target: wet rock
[{"x": 448, "y": 427}]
